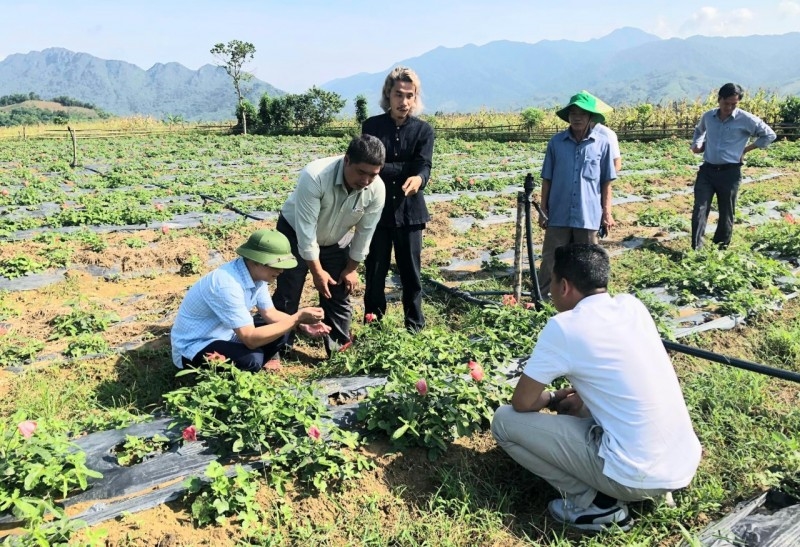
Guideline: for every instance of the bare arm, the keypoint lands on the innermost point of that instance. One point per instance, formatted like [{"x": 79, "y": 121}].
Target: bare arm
[
  {"x": 278, "y": 324},
  {"x": 605, "y": 202},
  {"x": 545, "y": 196},
  {"x": 530, "y": 396}
]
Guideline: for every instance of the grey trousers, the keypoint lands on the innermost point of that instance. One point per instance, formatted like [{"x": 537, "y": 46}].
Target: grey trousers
[
  {"x": 338, "y": 310},
  {"x": 553, "y": 238},
  {"x": 562, "y": 450}
]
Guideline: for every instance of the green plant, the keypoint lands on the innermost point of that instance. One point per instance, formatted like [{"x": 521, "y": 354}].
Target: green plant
[
  {"x": 86, "y": 344},
  {"x": 191, "y": 266},
  {"x": 135, "y": 242},
  {"x": 81, "y": 321},
  {"x": 19, "y": 265},
  {"x": 278, "y": 418},
  {"x": 223, "y": 496},
  {"x": 429, "y": 406},
  {"x": 37, "y": 460},
  {"x": 17, "y": 349},
  {"x": 137, "y": 449}
]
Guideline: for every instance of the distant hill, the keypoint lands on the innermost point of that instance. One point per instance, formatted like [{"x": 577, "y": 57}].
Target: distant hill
[
  {"x": 77, "y": 111},
  {"x": 123, "y": 88},
  {"x": 625, "y": 67}
]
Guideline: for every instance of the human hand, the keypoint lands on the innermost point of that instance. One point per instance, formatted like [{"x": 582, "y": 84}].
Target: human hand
[
  {"x": 699, "y": 149},
  {"x": 607, "y": 220},
  {"x": 411, "y": 186},
  {"x": 310, "y": 315},
  {"x": 571, "y": 405},
  {"x": 543, "y": 218},
  {"x": 349, "y": 280},
  {"x": 322, "y": 282},
  {"x": 314, "y": 330}
]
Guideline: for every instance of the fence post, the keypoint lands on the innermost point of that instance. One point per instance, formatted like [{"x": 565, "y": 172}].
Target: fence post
[
  {"x": 518, "y": 245},
  {"x": 74, "y": 163}
]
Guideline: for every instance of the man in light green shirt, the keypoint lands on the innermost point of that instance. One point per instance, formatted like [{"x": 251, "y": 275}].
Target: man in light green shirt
[{"x": 329, "y": 220}]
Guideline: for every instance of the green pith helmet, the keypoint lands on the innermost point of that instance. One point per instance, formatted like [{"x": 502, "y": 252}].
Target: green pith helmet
[
  {"x": 270, "y": 248},
  {"x": 587, "y": 102}
]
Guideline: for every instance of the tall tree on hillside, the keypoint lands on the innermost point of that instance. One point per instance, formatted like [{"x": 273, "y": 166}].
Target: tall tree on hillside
[{"x": 232, "y": 57}]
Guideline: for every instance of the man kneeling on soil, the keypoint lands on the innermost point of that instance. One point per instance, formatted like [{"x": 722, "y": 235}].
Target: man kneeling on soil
[
  {"x": 215, "y": 315},
  {"x": 622, "y": 431}
]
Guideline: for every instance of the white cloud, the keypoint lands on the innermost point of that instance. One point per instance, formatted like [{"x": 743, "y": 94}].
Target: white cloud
[
  {"x": 710, "y": 21},
  {"x": 790, "y": 8}
]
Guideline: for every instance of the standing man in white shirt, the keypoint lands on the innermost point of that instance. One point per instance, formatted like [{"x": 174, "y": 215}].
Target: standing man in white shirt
[
  {"x": 330, "y": 218},
  {"x": 622, "y": 431},
  {"x": 722, "y": 136}
]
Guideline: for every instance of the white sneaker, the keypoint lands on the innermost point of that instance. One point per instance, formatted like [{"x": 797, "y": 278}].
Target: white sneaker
[{"x": 593, "y": 517}]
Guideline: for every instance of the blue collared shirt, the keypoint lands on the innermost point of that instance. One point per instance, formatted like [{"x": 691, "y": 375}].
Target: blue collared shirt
[
  {"x": 577, "y": 172},
  {"x": 219, "y": 302},
  {"x": 725, "y": 140}
]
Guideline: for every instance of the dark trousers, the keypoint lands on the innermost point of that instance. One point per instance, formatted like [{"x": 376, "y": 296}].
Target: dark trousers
[
  {"x": 337, "y": 308},
  {"x": 724, "y": 182},
  {"x": 244, "y": 358},
  {"x": 407, "y": 243}
]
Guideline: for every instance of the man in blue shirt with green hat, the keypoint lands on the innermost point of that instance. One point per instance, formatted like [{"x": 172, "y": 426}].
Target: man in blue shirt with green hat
[
  {"x": 576, "y": 182},
  {"x": 215, "y": 316}
]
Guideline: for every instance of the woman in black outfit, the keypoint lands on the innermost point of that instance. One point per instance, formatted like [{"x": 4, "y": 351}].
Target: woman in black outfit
[{"x": 409, "y": 151}]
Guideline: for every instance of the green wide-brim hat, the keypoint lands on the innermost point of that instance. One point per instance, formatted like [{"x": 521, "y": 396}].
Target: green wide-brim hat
[
  {"x": 269, "y": 248},
  {"x": 587, "y": 102}
]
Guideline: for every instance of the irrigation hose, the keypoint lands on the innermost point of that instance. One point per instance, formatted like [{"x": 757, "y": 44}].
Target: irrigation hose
[
  {"x": 535, "y": 292},
  {"x": 732, "y": 361},
  {"x": 230, "y": 207},
  {"x": 673, "y": 346}
]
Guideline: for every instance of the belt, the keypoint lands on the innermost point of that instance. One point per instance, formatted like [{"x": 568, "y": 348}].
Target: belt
[{"x": 721, "y": 166}]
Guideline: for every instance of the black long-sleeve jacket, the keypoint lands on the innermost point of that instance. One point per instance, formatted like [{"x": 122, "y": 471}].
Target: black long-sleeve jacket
[{"x": 409, "y": 152}]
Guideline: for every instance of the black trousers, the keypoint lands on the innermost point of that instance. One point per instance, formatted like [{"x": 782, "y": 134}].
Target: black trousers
[
  {"x": 407, "y": 243},
  {"x": 337, "y": 308},
  {"x": 722, "y": 181}
]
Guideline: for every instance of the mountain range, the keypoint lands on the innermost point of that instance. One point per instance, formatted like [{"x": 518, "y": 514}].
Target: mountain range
[{"x": 625, "y": 67}]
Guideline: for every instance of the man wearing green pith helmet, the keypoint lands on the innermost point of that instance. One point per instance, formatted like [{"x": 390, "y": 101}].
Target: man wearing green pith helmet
[
  {"x": 215, "y": 316},
  {"x": 576, "y": 182}
]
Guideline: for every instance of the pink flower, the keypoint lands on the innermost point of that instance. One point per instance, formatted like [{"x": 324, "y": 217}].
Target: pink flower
[
  {"x": 159, "y": 206},
  {"x": 472, "y": 364},
  {"x": 4, "y": 191},
  {"x": 164, "y": 229},
  {"x": 215, "y": 357},
  {"x": 370, "y": 317},
  {"x": 789, "y": 218},
  {"x": 422, "y": 387},
  {"x": 26, "y": 428},
  {"x": 314, "y": 433},
  {"x": 530, "y": 306},
  {"x": 509, "y": 300},
  {"x": 190, "y": 433},
  {"x": 477, "y": 373}
]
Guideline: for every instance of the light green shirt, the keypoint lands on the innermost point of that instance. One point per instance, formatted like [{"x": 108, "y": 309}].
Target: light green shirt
[{"x": 322, "y": 211}]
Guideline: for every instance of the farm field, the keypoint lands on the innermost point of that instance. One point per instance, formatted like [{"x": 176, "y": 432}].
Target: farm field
[{"x": 96, "y": 259}]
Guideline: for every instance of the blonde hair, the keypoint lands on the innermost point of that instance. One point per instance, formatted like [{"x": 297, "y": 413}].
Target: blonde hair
[{"x": 402, "y": 74}]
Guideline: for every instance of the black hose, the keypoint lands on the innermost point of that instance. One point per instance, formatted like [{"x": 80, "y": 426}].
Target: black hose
[
  {"x": 673, "y": 346},
  {"x": 230, "y": 207},
  {"x": 732, "y": 361},
  {"x": 535, "y": 292}
]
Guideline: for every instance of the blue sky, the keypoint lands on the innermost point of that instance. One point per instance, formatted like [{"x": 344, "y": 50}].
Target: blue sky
[{"x": 300, "y": 43}]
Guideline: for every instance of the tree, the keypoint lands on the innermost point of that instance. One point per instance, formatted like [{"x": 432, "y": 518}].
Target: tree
[
  {"x": 532, "y": 117},
  {"x": 362, "y": 113},
  {"x": 232, "y": 57},
  {"x": 790, "y": 110}
]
